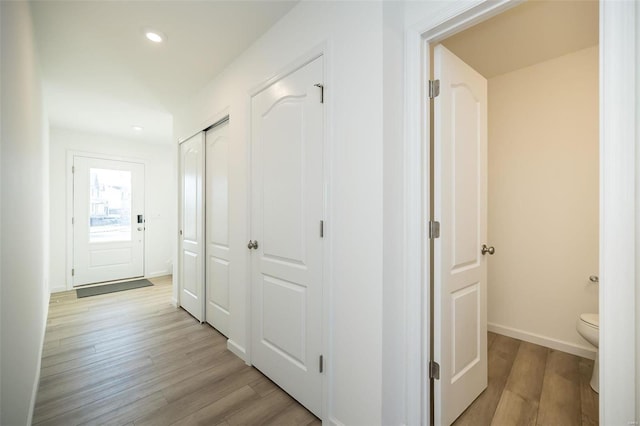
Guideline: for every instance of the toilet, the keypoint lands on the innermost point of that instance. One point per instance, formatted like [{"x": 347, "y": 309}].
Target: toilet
[{"x": 588, "y": 326}]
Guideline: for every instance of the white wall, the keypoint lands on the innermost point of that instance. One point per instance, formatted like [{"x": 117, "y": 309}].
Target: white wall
[
  {"x": 637, "y": 212},
  {"x": 160, "y": 194},
  {"x": 394, "y": 326},
  {"x": 25, "y": 198},
  {"x": 352, "y": 32},
  {"x": 543, "y": 198}
]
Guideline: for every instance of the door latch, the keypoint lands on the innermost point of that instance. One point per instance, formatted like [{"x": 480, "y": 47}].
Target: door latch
[
  {"x": 434, "y": 370},
  {"x": 252, "y": 245}
]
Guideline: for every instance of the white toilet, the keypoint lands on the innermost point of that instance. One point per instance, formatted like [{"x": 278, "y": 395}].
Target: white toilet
[{"x": 588, "y": 326}]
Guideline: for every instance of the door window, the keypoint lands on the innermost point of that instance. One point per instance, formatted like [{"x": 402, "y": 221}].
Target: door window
[{"x": 109, "y": 205}]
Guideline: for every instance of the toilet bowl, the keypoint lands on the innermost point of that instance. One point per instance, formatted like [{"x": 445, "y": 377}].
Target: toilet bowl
[{"x": 588, "y": 326}]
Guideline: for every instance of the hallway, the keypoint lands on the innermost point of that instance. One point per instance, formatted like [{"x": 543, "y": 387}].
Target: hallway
[{"x": 133, "y": 358}]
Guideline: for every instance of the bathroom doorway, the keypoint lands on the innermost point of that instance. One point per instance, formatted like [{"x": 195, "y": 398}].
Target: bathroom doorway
[{"x": 543, "y": 193}]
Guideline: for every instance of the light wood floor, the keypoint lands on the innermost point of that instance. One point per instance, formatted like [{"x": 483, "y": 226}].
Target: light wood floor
[
  {"x": 533, "y": 385},
  {"x": 132, "y": 358}
]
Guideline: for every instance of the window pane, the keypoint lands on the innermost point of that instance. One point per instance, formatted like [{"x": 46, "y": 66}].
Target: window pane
[{"x": 109, "y": 205}]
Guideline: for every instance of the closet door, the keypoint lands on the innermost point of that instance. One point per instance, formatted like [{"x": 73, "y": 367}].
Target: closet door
[
  {"x": 192, "y": 226},
  {"x": 286, "y": 231},
  {"x": 217, "y": 227}
]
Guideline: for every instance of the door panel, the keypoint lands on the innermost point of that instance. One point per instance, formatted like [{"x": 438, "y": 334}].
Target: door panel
[
  {"x": 283, "y": 199},
  {"x": 192, "y": 226},
  {"x": 460, "y": 270},
  {"x": 287, "y": 207},
  {"x": 217, "y": 223},
  {"x": 108, "y": 243}
]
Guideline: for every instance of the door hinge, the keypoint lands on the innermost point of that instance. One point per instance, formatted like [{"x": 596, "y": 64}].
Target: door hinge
[
  {"x": 434, "y": 370},
  {"x": 73, "y": 272},
  {"x": 434, "y": 88},
  {"x": 322, "y": 229},
  {"x": 72, "y": 221},
  {"x": 73, "y": 169},
  {"x": 321, "y": 364},
  {"x": 434, "y": 229},
  {"x": 321, "y": 86}
]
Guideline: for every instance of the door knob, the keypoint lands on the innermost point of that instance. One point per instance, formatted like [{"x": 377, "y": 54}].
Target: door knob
[
  {"x": 490, "y": 250},
  {"x": 252, "y": 245},
  {"x": 140, "y": 228}
]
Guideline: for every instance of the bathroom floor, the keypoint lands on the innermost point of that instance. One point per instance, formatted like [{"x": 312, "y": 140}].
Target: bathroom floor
[{"x": 533, "y": 385}]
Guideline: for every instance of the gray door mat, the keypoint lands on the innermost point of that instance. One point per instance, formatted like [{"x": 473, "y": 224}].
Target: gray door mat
[{"x": 111, "y": 288}]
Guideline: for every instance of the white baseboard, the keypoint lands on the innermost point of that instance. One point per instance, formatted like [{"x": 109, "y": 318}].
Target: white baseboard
[
  {"x": 36, "y": 384},
  {"x": 58, "y": 289},
  {"x": 335, "y": 422},
  {"x": 158, "y": 274},
  {"x": 572, "y": 348},
  {"x": 174, "y": 302},
  {"x": 238, "y": 350}
]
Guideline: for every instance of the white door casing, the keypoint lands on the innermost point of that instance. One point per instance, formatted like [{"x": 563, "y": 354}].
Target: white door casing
[
  {"x": 104, "y": 251},
  {"x": 460, "y": 203},
  {"x": 191, "y": 279},
  {"x": 217, "y": 227},
  {"x": 287, "y": 209}
]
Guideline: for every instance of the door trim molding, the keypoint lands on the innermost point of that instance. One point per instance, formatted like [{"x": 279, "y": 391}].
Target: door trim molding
[
  {"x": 321, "y": 50},
  {"x": 618, "y": 232},
  {"x": 70, "y": 154},
  {"x": 618, "y": 198}
]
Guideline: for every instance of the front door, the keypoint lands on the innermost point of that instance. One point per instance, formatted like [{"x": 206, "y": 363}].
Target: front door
[
  {"x": 287, "y": 210},
  {"x": 108, "y": 220},
  {"x": 460, "y": 205}
]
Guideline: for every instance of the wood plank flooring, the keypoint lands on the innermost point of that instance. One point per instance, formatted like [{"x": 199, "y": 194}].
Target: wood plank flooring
[
  {"x": 533, "y": 385},
  {"x": 131, "y": 358}
]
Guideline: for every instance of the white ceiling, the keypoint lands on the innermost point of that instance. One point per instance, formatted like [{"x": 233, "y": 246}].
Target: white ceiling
[
  {"x": 102, "y": 75},
  {"x": 532, "y": 32}
]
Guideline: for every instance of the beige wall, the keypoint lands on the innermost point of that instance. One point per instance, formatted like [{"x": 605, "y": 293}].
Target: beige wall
[{"x": 543, "y": 199}]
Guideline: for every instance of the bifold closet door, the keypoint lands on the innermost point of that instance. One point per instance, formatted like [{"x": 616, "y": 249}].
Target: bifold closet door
[
  {"x": 192, "y": 249},
  {"x": 217, "y": 227}
]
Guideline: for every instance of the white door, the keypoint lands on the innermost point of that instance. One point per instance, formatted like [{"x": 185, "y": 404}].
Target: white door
[
  {"x": 217, "y": 227},
  {"x": 192, "y": 226},
  {"x": 287, "y": 207},
  {"x": 108, "y": 220},
  {"x": 460, "y": 181}
]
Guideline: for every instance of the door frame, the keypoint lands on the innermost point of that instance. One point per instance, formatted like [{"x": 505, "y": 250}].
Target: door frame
[
  {"x": 617, "y": 105},
  {"x": 69, "y": 206},
  {"x": 321, "y": 50}
]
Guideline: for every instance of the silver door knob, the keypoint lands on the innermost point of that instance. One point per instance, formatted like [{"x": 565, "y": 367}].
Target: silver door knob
[
  {"x": 490, "y": 250},
  {"x": 252, "y": 245},
  {"x": 140, "y": 228}
]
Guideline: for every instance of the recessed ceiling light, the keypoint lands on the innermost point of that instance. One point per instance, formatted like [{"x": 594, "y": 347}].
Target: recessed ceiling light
[
  {"x": 155, "y": 36},
  {"x": 137, "y": 128}
]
